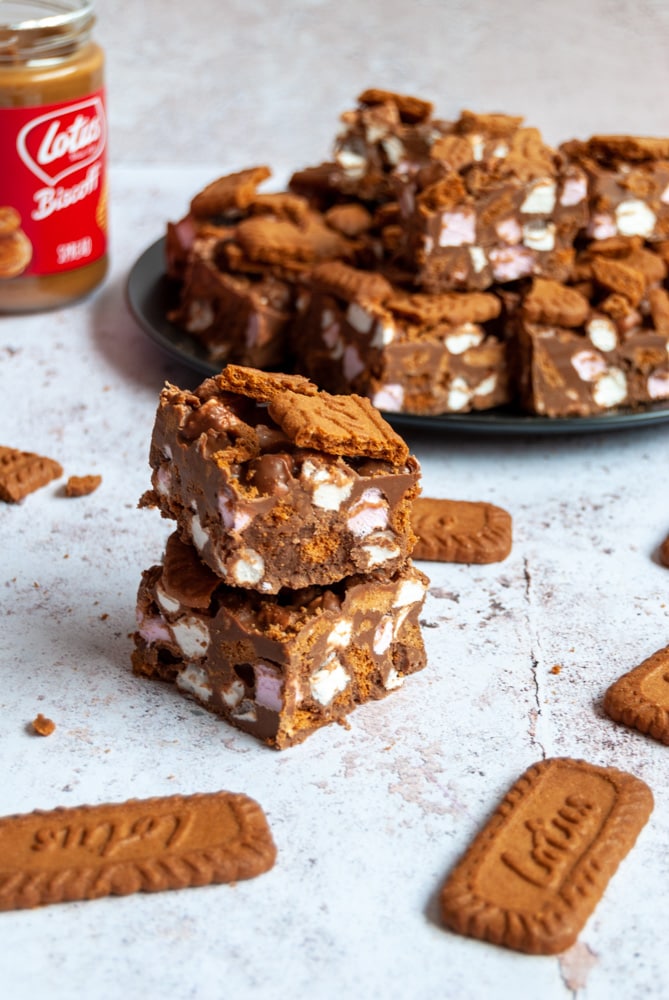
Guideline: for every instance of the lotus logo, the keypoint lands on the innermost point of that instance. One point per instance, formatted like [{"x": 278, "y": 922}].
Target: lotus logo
[{"x": 56, "y": 144}]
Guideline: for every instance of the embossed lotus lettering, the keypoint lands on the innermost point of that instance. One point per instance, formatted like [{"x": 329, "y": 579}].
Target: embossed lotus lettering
[{"x": 58, "y": 143}]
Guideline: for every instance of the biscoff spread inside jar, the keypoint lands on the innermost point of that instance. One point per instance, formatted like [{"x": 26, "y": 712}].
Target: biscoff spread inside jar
[{"x": 53, "y": 134}]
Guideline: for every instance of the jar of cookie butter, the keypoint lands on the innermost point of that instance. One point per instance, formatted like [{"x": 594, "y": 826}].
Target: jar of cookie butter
[{"x": 53, "y": 138}]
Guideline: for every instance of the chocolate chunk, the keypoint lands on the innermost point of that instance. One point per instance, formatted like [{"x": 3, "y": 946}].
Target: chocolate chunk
[
  {"x": 271, "y": 474},
  {"x": 185, "y": 577}
]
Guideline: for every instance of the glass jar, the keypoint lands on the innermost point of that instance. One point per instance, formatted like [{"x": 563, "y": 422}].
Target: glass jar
[{"x": 53, "y": 137}]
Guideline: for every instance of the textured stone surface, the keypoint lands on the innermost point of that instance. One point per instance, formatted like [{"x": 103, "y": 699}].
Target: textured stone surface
[{"x": 368, "y": 821}]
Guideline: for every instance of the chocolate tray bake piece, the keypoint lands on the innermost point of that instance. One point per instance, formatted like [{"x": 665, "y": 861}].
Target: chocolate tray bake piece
[
  {"x": 600, "y": 344},
  {"x": 493, "y": 204},
  {"x": 236, "y": 255},
  {"x": 628, "y": 184},
  {"x": 408, "y": 352},
  {"x": 385, "y": 133},
  {"x": 238, "y": 317},
  {"x": 280, "y": 485},
  {"x": 277, "y": 666}
]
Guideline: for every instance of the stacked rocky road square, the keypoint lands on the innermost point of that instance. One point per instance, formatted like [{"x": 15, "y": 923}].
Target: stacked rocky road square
[
  {"x": 431, "y": 265},
  {"x": 286, "y": 595}
]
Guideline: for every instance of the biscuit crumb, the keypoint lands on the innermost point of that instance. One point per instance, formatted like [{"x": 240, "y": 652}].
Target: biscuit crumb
[
  {"x": 81, "y": 486},
  {"x": 555, "y": 669},
  {"x": 43, "y": 726}
]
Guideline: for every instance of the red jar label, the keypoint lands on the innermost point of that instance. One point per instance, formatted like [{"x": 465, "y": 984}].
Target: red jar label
[{"x": 53, "y": 185}]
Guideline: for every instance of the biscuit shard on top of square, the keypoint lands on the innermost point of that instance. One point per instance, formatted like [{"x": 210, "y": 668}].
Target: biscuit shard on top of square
[{"x": 342, "y": 425}]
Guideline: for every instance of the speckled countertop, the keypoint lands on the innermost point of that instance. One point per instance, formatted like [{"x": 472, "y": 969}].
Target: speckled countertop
[{"x": 369, "y": 820}]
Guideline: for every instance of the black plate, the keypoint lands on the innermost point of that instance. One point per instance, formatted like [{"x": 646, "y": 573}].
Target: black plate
[{"x": 151, "y": 294}]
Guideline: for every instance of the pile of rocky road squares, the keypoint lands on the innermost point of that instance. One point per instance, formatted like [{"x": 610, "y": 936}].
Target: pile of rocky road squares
[
  {"x": 441, "y": 266},
  {"x": 286, "y": 595}
]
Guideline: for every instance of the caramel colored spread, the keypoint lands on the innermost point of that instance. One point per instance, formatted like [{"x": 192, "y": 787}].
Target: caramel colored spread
[{"x": 53, "y": 243}]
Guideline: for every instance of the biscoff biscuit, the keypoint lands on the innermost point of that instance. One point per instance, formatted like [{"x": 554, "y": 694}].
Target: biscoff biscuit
[
  {"x": 146, "y": 845},
  {"x": 630, "y": 148},
  {"x": 460, "y": 531},
  {"x": 259, "y": 385},
  {"x": 340, "y": 425},
  {"x": 455, "y": 308},
  {"x": 411, "y": 109},
  {"x": 446, "y": 193},
  {"x": 534, "y": 874},
  {"x": 640, "y": 698},
  {"x": 22, "y": 472},
  {"x": 266, "y": 239},
  {"x": 553, "y": 303},
  {"x": 351, "y": 219},
  {"x": 232, "y": 193},
  {"x": 496, "y": 125},
  {"x": 658, "y": 301},
  {"x": 282, "y": 204},
  {"x": 619, "y": 277},
  {"x": 346, "y": 282}
]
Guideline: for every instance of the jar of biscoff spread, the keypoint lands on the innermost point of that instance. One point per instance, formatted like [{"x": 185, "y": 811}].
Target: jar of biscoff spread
[{"x": 53, "y": 139}]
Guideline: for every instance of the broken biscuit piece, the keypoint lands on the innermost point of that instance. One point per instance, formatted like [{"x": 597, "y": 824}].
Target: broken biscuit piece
[{"x": 22, "y": 472}]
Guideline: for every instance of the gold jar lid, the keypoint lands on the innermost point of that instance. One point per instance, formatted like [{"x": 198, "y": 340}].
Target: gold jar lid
[{"x": 43, "y": 30}]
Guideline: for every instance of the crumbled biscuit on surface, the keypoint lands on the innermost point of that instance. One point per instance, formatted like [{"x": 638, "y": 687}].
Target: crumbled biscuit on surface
[
  {"x": 81, "y": 486},
  {"x": 43, "y": 726}
]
